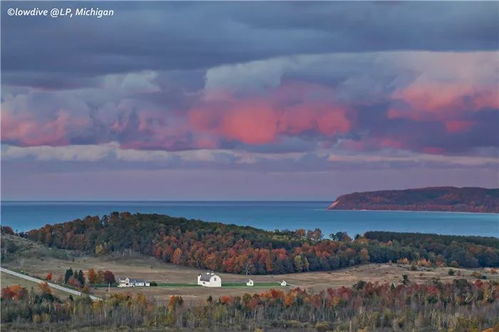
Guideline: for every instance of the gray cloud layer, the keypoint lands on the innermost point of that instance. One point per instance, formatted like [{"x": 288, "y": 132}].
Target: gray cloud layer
[{"x": 173, "y": 36}]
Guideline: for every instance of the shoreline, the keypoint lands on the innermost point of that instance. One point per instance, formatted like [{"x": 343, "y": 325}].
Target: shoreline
[{"x": 426, "y": 211}]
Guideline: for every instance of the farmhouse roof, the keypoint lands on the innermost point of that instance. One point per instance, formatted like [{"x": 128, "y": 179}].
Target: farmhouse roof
[{"x": 131, "y": 280}]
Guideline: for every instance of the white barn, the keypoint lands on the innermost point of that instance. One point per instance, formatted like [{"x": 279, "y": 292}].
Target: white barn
[
  {"x": 129, "y": 282},
  {"x": 209, "y": 279}
]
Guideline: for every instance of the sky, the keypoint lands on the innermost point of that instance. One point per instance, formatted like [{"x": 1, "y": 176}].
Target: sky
[{"x": 248, "y": 100}]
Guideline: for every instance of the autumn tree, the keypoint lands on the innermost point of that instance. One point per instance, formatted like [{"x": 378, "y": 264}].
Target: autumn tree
[
  {"x": 91, "y": 276},
  {"x": 364, "y": 255},
  {"x": 177, "y": 256},
  {"x": 73, "y": 281},
  {"x": 109, "y": 277},
  {"x": 45, "y": 288},
  {"x": 14, "y": 292},
  {"x": 315, "y": 235}
]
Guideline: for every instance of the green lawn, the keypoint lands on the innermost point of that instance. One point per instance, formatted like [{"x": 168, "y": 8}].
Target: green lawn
[
  {"x": 257, "y": 284},
  {"x": 225, "y": 284}
]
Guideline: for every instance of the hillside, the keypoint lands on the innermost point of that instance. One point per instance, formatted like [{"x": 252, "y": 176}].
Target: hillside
[
  {"x": 422, "y": 199},
  {"x": 407, "y": 287},
  {"x": 247, "y": 250},
  {"x": 135, "y": 265},
  {"x": 16, "y": 248}
]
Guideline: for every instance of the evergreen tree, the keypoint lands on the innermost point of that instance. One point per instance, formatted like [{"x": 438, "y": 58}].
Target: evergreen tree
[
  {"x": 67, "y": 275},
  {"x": 81, "y": 278}
]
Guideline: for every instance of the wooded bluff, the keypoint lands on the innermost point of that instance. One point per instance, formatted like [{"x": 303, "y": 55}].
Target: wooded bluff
[
  {"x": 422, "y": 199},
  {"x": 247, "y": 250}
]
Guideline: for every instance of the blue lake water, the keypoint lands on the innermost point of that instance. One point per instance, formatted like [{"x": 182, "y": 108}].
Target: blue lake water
[{"x": 22, "y": 216}]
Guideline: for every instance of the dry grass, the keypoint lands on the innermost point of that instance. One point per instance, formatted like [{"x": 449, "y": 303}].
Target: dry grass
[
  {"x": 149, "y": 268},
  {"x": 38, "y": 260},
  {"x": 9, "y": 280}
]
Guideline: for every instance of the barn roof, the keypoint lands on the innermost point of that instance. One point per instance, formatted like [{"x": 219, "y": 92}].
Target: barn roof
[{"x": 206, "y": 276}]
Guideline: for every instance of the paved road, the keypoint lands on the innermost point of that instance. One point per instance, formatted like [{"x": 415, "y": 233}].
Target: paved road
[{"x": 39, "y": 281}]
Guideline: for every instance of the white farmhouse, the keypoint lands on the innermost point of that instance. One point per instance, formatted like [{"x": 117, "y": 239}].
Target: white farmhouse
[
  {"x": 209, "y": 279},
  {"x": 250, "y": 283},
  {"x": 129, "y": 282}
]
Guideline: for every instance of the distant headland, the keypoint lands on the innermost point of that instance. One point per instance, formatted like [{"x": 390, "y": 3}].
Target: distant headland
[{"x": 453, "y": 199}]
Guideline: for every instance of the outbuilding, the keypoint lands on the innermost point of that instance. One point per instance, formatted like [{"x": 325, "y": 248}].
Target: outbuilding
[{"x": 129, "y": 282}]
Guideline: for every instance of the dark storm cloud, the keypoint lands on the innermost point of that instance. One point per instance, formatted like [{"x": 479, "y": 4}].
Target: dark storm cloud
[{"x": 166, "y": 36}]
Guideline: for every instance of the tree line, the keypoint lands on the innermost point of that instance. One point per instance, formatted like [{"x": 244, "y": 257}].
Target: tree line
[
  {"x": 436, "y": 306},
  {"x": 248, "y": 250},
  {"x": 80, "y": 279}
]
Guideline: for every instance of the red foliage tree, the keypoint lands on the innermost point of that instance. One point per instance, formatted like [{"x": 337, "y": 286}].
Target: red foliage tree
[
  {"x": 14, "y": 292},
  {"x": 109, "y": 277}
]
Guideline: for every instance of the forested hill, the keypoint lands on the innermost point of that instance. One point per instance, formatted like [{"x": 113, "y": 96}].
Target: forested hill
[
  {"x": 236, "y": 249},
  {"x": 422, "y": 199}
]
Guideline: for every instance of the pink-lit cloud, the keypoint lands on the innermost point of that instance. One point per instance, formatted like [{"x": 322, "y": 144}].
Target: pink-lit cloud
[
  {"x": 450, "y": 89},
  {"x": 455, "y": 126},
  {"x": 433, "y": 102},
  {"x": 28, "y": 131},
  {"x": 291, "y": 109},
  {"x": 443, "y": 101}
]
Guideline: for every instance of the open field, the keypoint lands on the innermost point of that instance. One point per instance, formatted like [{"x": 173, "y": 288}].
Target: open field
[
  {"x": 180, "y": 280},
  {"x": 225, "y": 285},
  {"x": 37, "y": 260},
  {"x": 8, "y": 280}
]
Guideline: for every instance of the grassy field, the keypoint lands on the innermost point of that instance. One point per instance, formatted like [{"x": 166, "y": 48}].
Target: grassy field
[
  {"x": 8, "y": 280},
  {"x": 224, "y": 285},
  {"x": 180, "y": 280}
]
